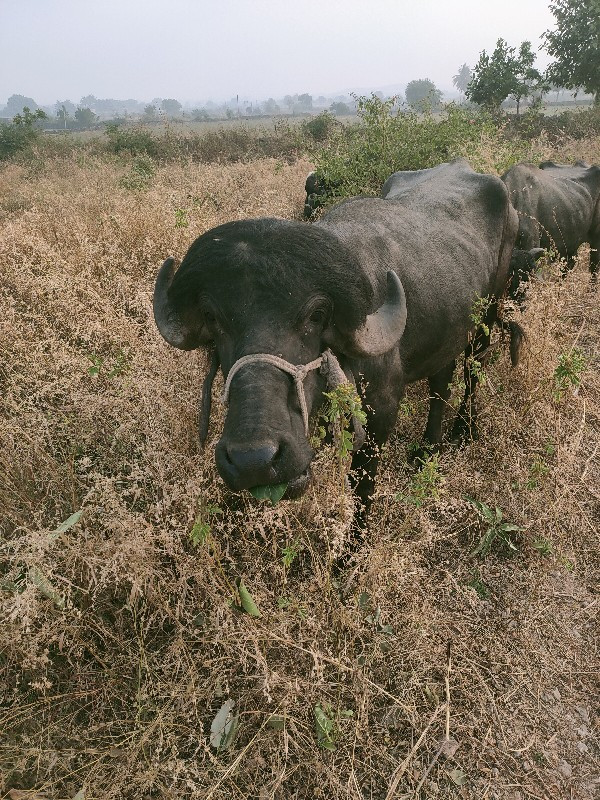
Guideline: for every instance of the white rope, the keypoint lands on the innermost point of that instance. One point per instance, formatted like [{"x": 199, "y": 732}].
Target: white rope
[{"x": 297, "y": 371}]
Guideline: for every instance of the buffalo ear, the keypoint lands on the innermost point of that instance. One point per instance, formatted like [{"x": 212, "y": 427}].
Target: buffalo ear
[
  {"x": 380, "y": 332},
  {"x": 186, "y": 330}
]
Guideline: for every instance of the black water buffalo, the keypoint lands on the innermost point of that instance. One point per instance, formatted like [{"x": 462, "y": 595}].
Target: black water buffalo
[
  {"x": 558, "y": 207},
  {"x": 387, "y": 285},
  {"x": 523, "y": 264},
  {"x": 317, "y": 189}
]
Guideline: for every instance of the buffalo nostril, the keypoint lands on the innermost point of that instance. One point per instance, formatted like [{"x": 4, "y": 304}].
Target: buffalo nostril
[{"x": 252, "y": 459}]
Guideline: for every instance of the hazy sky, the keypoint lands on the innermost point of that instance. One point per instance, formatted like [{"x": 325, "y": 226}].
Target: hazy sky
[{"x": 194, "y": 50}]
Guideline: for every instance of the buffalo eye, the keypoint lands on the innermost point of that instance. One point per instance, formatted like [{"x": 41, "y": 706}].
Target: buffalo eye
[
  {"x": 315, "y": 315},
  {"x": 318, "y": 316}
]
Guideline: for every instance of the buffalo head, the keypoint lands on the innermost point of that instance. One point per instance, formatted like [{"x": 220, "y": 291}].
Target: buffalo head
[{"x": 280, "y": 289}]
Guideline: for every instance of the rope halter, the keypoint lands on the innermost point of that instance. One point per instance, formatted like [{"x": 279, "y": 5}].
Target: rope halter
[{"x": 328, "y": 364}]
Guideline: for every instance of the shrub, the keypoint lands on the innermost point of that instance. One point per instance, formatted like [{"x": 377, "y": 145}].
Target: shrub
[
  {"x": 359, "y": 158},
  {"x": 20, "y": 134}
]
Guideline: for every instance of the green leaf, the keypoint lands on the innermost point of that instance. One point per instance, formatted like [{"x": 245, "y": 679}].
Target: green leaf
[
  {"x": 68, "y": 523},
  {"x": 224, "y": 726},
  {"x": 325, "y": 729},
  {"x": 457, "y": 776},
  {"x": 247, "y": 601},
  {"x": 273, "y": 493},
  {"x": 276, "y": 722},
  {"x": 37, "y": 577}
]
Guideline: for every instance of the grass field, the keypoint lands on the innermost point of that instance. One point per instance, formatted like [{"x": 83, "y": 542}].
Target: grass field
[{"x": 122, "y": 634}]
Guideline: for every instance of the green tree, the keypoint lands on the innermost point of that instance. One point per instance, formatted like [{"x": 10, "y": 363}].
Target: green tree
[
  {"x": 422, "y": 95},
  {"x": 28, "y": 118},
  {"x": 575, "y": 44},
  {"x": 17, "y": 102},
  {"x": 150, "y": 112},
  {"x": 528, "y": 80},
  {"x": 62, "y": 113},
  {"x": 170, "y": 106},
  {"x": 504, "y": 74},
  {"x": 305, "y": 101},
  {"x": 462, "y": 78},
  {"x": 340, "y": 109},
  {"x": 270, "y": 106},
  {"x": 85, "y": 117}
]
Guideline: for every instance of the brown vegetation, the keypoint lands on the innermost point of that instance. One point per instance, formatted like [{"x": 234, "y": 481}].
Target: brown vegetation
[{"x": 122, "y": 636}]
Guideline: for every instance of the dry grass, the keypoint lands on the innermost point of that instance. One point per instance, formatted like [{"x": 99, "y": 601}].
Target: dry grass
[{"x": 113, "y": 669}]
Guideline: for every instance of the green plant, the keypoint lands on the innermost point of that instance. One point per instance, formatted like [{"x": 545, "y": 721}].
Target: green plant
[
  {"x": 543, "y": 546},
  {"x": 120, "y": 365},
  {"x": 181, "y": 220},
  {"x": 426, "y": 483},
  {"x": 202, "y": 528},
  {"x": 140, "y": 174},
  {"x": 327, "y": 725},
  {"x": 289, "y": 553},
  {"x": 357, "y": 159},
  {"x": 320, "y": 127},
  {"x": 476, "y": 583},
  {"x": 568, "y": 372},
  {"x": 291, "y": 604},
  {"x": 497, "y": 530},
  {"x": 479, "y": 310},
  {"x": 537, "y": 470},
  {"x": 342, "y": 405},
  {"x": 19, "y": 135}
]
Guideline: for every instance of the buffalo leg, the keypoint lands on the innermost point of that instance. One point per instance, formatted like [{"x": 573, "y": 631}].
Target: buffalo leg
[
  {"x": 465, "y": 425},
  {"x": 439, "y": 394}
]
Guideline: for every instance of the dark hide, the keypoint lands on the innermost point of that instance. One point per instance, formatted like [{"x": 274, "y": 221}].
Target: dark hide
[
  {"x": 318, "y": 190},
  {"x": 291, "y": 289},
  {"x": 522, "y": 266},
  {"x": 558, "y": 207}
]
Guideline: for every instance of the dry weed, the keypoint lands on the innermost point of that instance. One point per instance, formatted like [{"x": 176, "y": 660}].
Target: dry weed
[{"x": 121, "y": 638}]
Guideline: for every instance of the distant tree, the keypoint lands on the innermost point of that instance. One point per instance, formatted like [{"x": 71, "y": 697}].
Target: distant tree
[
  {"x": 85, "y": 117},
  {"x": 170, "y": 106},
  {"x": 200, "y": 115},
  {"x": 340, "y": 109},
  {"x": 28, "y": 118},
  {"x": 305, "y": 101},
  {"x": 575, "y": 44},
  {"x": 89, "y": 101},
  {"x": 150, "y": 112},
  {"x": 462, "y": 78},
  {"x": 67, "y": 105},
  {"x": 63, "y": 115},
  {"x": 17, "y": 102},
  {"x": 422, "y": 95},
  {"x": 270, "y": 106},
  {"x": 504, "y": 74},
  {"x": 289, "y": 101}
]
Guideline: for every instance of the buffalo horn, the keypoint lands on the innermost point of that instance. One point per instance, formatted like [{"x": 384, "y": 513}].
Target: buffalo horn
[
  {"x": 383, "y": 328},
  {"x": 170, "y": 324}
]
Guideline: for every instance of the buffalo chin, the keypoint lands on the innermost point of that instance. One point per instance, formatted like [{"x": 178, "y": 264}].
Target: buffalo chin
[{"x": 298, "y": 486}]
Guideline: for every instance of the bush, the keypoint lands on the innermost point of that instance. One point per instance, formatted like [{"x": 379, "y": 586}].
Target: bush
[
  {"x": 360, "y": 157},
  {"x": 321, "y": 127},
  {"x": 20, "y": 134}
]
